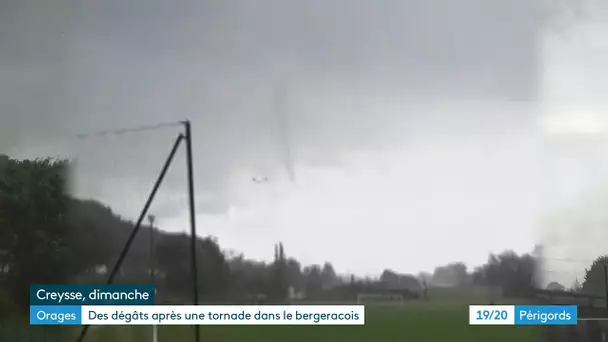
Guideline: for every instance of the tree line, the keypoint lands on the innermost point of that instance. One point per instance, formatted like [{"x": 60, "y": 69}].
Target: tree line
[{"x": 48, "y": 236}]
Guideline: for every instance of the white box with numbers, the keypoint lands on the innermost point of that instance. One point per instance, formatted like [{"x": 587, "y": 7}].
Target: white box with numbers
[{"x": 491, "y": 315}]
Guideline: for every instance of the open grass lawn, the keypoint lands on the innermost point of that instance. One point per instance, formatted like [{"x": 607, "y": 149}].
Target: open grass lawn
[{"x": 413, "y": 322}]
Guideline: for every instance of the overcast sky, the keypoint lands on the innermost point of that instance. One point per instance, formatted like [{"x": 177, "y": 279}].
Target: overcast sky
[
  {"x": 576, "y": 151},
  {"x": 393, "y": 134}
]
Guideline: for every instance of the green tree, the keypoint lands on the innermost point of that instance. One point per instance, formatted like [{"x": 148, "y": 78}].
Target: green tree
[
  {"x": 214, "y": 272},
  {"x": 173, "y": 257},
  {"x": 555, "y": 286},
  {"x": 313, "y": 279},
  {"x": 594, "y": 282},
  {"x": 452, "y": 274},
  {"x": 389, "y": 277},
  {"x": 515, "y": 274},
  {"x": 328, "y": 274},
  {"x": 281, "y": 285},
  {"x": 294, "y": 274},
  {"x": 33, "y": 227}
]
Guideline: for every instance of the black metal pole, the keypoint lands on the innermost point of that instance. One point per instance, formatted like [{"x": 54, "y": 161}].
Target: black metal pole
[
  {"x": 142, "y": 215},
  {"x": 188, "y": 133},
  {"x": 606, "y": 283}
]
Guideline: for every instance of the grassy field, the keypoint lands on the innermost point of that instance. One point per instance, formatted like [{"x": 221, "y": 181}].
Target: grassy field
[{"x": 414, "y": 322}]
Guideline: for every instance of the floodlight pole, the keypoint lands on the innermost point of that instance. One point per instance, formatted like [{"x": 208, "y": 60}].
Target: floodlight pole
[
  {"x": 191, "y": 204},
  {"x": 151, "y": 219}
]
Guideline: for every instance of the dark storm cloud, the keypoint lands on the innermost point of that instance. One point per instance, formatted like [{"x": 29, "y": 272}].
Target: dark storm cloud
[{"x": 355, "y": 75}]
